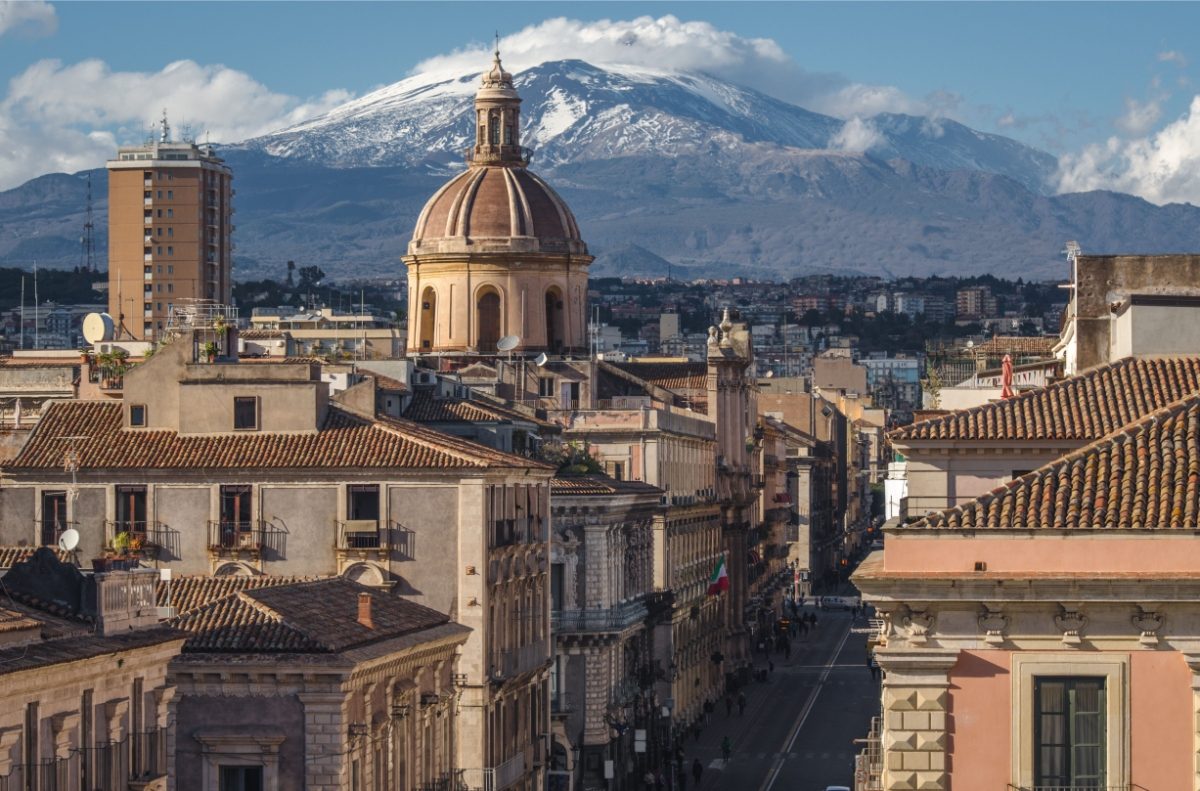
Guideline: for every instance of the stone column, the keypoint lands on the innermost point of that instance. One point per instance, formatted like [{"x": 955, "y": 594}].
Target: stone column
[
  {"x": 598, "y": 684},
  {"x": 915, "y": 697},
  {"x": 326, "y": 740}
]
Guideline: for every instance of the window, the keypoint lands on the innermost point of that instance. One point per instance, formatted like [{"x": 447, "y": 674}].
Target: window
[
  {"x": 159, "y": 195},
  {"x": 159, "y": 213},
  {"x": 146, "y": 194},
  {"x": 148, "y": 174},
  {"x": 245, "y": 413},
  {"x": 1069, "y": 732},
  {"x": 137, "y": 415},
  {"x": 159, "y": 269},
  {"x": 170, "y": 288},
  {"x": 158, "y": 251},
  {"x": 170, "y": 232},
  {"x": 54, "y": 516},
  {"x": 362, "y": 502},
  {"x": 170, "y": 212},
  {"x": 170, "y": 267},
  {"x": 170, "y": 194},
  {"x": 241, "y": 778},
  {"x": 159, "y": 231},
  {"x": 546, "y": 387},
  {"x": 131, "y": 510}
]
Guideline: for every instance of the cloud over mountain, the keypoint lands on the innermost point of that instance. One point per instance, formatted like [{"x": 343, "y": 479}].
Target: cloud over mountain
[{"x": 66, "y": 117}]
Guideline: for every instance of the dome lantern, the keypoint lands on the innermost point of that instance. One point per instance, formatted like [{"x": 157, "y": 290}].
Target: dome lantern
[{"x": 498, "y": 120}]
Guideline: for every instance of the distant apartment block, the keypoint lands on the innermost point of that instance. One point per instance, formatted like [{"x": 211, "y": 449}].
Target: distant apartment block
[
  {"x": 170, "y": 222},
  {"x": 975, "y": 302}
]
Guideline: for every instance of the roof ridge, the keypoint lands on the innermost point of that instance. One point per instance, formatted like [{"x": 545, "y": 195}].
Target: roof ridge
[{"x": 1120, "y": 435}]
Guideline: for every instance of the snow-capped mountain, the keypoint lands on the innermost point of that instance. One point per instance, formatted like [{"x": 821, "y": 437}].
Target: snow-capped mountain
[{"x": 574, "y": 111}]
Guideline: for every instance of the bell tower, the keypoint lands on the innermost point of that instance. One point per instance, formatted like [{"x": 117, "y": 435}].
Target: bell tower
[{"x": 498, "y": 120}]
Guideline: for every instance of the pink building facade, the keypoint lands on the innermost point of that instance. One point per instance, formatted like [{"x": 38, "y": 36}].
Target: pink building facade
[{"x": 1047, "y": 634}]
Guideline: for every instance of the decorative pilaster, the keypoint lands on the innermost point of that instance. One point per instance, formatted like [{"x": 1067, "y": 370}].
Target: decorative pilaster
[
  {"x": 1193, "y": 661},
  {"x": 915, "y": 728},
  {"x": 325, "y": 737}
]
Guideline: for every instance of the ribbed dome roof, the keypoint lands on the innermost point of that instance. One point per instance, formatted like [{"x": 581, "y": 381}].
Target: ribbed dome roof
[{"x": 496, "y": 208}]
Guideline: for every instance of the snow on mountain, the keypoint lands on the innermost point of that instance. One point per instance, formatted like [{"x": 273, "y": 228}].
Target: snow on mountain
[{"x": 575, "y": 111}]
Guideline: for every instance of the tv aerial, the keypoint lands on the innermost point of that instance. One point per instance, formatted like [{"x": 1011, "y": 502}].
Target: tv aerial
[{"x": 68, "y": 540}]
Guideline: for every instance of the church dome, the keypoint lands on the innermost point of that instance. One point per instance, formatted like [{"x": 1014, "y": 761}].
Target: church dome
[
  {"x": 496, "y": 208},
  {"x": 497, "y": 205}
]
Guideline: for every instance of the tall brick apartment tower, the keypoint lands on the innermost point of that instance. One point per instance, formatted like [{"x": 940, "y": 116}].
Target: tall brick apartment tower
[{"x": 169, "y": 227}]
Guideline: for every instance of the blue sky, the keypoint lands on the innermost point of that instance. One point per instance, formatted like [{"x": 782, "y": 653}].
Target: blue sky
[{"x": 1107, "y": 86}]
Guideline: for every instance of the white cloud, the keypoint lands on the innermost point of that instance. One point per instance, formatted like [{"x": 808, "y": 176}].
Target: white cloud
[
  {"x": 669, "y": 43},
  {"x": 70, "y": 117},
  {"x": 1140, "y": 117},
  {"x": 34, "y": 17},
  {"x": 856, "y": 135},
  {"x": 1163, "y": 167},
  {"x": 1173, "y": 56}
]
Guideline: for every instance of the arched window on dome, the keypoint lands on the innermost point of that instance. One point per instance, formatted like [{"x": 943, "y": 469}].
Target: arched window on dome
[
  {"x": 508, "y": 135},
  {"x": 554, "y": 319},
  {"x": 428, "y": 319},
  {"x": 494, "y": 128},
  {"x": 487, "y": 319}
]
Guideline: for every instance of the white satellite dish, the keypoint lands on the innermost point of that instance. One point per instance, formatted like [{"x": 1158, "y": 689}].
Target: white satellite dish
[
  {"x": 770, "y": 374},
  {"x": 70, "y": 538},
  {"x": 541, "y": 360},
  {"x": 97, "y": 328},
  {"x": 508, "y": 343}
]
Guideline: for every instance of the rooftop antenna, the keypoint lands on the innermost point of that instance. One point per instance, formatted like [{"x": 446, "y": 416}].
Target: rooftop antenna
[
  {"x": 497, "y": 43},
  {"x": 165, "y": 133},
  {"x": 87, "y": 241},
  {"x": 36, "y": 308}
]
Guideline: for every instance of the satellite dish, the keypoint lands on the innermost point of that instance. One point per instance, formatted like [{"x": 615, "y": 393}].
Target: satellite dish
[
  {"x": 97, "y": 328},
  {"x": 541, "y": 360},
  {"x": 770, "y": 374},
  {"x": 508, "y": 343},
  {"x": 70, "y": 538}
]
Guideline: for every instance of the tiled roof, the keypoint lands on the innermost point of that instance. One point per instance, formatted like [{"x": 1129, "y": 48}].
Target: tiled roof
[
  {"x": 40, "y": 362},
  {"x": 598, "y": 485},
  {"x": 1000, "y": 345},
  {"x": 344, "y": 441},
  {"x": 10, "y": 556},
  {"x": 388, "y": 384},
  {"x": 319, "y": 616},
  {"x": 191, "y": 592},
  {"x": 1144, "y": 476},
  {"x": 1082, "y": 407},
  {"x": 425, "y": 408},
  {"x": 76, "y": 648},
  {"x": 672, "y": 376}
]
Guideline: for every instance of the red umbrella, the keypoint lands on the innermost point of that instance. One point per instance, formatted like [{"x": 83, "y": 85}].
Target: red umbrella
[{"x": 1006, "y": 377}]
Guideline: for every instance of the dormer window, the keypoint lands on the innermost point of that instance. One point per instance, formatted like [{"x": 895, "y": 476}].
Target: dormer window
[
  {"x": 245, "y": 413},
  {"x": 137, "y": 415}
]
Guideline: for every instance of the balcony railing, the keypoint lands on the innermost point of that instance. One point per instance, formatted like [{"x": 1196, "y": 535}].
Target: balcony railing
[
  {"x": 362, "y": 534},
  {"x": 561, "y": 703},
  {"x": 146, "y": 536},
  {"x": 234, "y": 535},
  {"x": 59, "y": 774},
  {"x": 612, "y": 619},
  {"x": 106, "y": 766},
  {"x": 495, "y": 778},
  {"x": 868, "y": 764}
]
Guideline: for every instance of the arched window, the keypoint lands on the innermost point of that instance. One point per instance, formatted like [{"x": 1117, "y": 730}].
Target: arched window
[
  {"x": 494, "y": 129},
  {"x": 428, "y": 318},
  {"x": 554, "y": 319},
  {"x": 487, "y": 320},
  {"x": 508, "y": 135}
]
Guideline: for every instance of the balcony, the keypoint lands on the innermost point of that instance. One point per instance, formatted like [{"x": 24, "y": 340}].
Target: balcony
[
  {"x": 561, "y": 704},
  {"x": 232, "y": 538},
  {"x": 495, "y": 778},
  {"x": 145, "y": 537},
  {"x": 613, "y": 619},
  {"x": 868, "y": 764},
  {"x": 513, "y": 662}
]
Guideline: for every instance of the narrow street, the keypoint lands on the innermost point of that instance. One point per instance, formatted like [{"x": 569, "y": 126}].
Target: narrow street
[{"x": 799, "y": 726}]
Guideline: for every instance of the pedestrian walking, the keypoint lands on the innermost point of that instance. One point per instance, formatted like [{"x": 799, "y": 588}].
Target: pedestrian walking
[
  {"x": 697, "y": 770},
  {"x": 726, "y": 748},
  {"x": 729, "y": 705},
  {"x": 708, "y": 710},
  {"x": 741, "y": 703}
]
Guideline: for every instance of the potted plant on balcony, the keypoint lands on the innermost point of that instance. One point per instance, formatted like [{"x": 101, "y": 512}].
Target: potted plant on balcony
[
  {"x": 209, "y": 351},
  {"x": 113, "y": 366}
]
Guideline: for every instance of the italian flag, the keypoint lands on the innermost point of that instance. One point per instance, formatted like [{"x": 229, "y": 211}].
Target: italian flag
[{"x": 719, "y": 581}]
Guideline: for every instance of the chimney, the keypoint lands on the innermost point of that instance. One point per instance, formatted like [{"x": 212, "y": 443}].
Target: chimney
[{"x": 364, "y": 610}]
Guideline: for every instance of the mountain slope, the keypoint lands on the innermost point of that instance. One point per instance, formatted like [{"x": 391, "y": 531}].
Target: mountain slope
[{"x": 574, "y": 111}]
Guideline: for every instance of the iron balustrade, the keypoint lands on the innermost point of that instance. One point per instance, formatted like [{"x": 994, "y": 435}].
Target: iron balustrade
[
  {"x": 362, "y": 534},
  {"x": 599, "y": 620},
  {"x": 515, "y": 661},
  {"x": 151, "y": 534},
  {"x": 235, "y": 534}
]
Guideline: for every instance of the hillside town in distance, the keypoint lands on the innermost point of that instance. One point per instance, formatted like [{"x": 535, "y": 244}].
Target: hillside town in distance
[{"x": 500, "y": 523}]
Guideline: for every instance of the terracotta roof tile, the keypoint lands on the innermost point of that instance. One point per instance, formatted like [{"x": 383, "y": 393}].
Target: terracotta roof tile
[
  {"x": 320, "y": 616},
  {"x": 425, "y": 408},
  {"x": 672, "y": 376},
  {"x": 1017, "y": 345},
  {"x": 345, "y": 440},
  {"x": 191, "y": 592},
  {"x": 597, "y": 485},
  {"x": 1082, "y": 407},
  {"x": 1143, "y": 476},
  {"x": 10, "y": 556}
]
